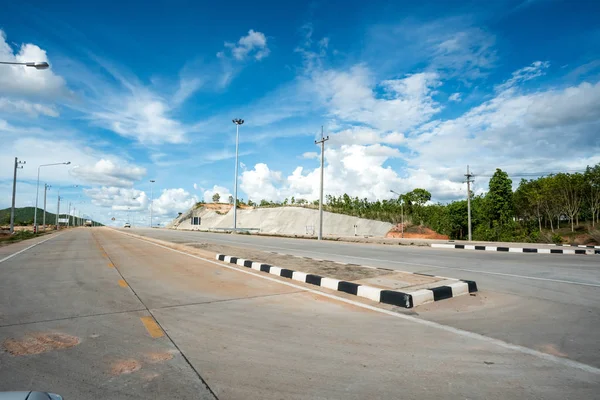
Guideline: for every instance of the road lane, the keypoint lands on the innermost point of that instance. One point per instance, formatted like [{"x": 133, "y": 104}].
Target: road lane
[
  {"x": 249, "y": 337},
  {"x": 555, "y": 317}
]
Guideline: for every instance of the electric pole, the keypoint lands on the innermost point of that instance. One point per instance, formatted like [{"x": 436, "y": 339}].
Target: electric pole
[
  {"x": 58, "y": 211},
  {"x": 46, "y": 186},
  {"x": 469, "y": 181},
  {"x": 12, "y": 209},
  {"x": 322, "y": 142},
  {"x": 151, "y": 199}
]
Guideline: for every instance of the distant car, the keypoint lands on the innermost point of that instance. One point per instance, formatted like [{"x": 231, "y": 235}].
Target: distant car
[{"x": 127, "y": 225}]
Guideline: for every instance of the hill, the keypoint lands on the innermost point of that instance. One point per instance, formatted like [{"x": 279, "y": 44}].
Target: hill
[
  {"x": 279, "y": 220},
  {"x": 24, "y": 216}
]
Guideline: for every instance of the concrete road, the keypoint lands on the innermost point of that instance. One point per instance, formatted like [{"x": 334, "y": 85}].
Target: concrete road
[
  {"x": 92, "y": 314},
  {"x": 546, "y": 302}
]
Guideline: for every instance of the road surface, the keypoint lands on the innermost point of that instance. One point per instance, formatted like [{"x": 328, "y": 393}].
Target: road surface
[
  {"x": 91, "y": 313},
  {"x": 549, "y": 302}
]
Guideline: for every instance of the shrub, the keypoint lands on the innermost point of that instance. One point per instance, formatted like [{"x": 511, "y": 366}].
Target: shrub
[{"x": 556, "y": 238}]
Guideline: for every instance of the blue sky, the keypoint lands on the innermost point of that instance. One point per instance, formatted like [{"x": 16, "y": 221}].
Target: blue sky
[{"x": 409, "y": 92}]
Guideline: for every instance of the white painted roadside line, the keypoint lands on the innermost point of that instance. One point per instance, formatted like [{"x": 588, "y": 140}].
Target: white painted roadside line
[
  {"x": 521, "y": 349},
  {"x": 52, "y": 236}
]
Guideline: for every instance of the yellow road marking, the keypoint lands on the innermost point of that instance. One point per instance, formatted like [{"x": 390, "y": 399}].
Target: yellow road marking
[
  {"x": 122, "y": 283},
  {"x": 152, "y": 327},
  {"x": 111, "y": 265}
]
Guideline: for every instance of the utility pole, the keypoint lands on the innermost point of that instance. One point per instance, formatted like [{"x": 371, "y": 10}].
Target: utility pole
[
  {"x": 69, "y": 216},
  {"x": 151, "y": 199},
  {"x": 322, "y": 142},
  {"x": 12, "y": 209},
  {"x": 46, "y": 186},
  {"x": 469, "y": 181},
  {"x": 58, "y": 211}
]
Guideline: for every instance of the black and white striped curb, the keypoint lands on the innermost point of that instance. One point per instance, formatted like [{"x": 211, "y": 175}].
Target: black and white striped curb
[
  {"x": 514, "y": 249},
  {"x": 393, "y": 297},
  {"x": 575, "y": 245}
]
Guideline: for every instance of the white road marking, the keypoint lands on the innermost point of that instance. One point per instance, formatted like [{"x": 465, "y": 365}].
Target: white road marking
[
  {"x": 27, "y": 248},
  {"x": 521, "y": 349}
]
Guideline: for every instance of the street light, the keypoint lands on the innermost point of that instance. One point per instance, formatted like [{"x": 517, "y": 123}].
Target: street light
[
  {"x": 151, "y": 199},
  {"x": 38, "y": 189},
  {"x": 237, "y": 123},
  {"x": 401, "y": 209},
  {"x": 36, "y": 65}
]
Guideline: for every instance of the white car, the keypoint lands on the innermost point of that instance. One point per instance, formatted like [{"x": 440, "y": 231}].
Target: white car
[{"x": 127, "y": 225}]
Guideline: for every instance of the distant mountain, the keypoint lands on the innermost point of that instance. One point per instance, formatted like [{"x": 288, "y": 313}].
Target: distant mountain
[{"x": 24, "y": 216}]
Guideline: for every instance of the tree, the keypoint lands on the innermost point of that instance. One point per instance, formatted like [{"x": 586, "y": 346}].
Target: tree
[
  {"x": 570, "y": 187},
  {"x": 500, "y": 198},
  {"x": 592, "y": 179},
  {"x": 216, "y": 197},
  {"x": 285, "y": 202},
  {"x": 230, "y": 199},
  {"x": 292, "y": 200}
]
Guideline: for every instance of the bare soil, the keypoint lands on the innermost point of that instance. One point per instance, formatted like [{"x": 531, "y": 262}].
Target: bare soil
[
  {"x": 125, "y": 367},
  {"x": 330, "y": 269}
]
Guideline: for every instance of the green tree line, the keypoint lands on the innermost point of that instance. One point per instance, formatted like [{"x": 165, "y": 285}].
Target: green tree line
[{"x": 547, "y": 202}]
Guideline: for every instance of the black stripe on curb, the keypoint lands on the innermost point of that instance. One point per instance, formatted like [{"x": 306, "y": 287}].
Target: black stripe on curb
[
  {"x": 265, "y": 267},
  {"x": 313, "y": 279},
  {"x": 441, "y": 293},
  {"x": 479, "y": 247},
  {"x": 396, "y": 298},
  {"x": 286, "y": 273},
  {"x": 530, "y": 250},
  {"x": 391, "y": 297},
  {"x": 348, "y": 287}
]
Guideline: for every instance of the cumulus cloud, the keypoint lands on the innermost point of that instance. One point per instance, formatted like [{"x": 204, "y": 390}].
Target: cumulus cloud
[
  {"x": 107, "y": 172},
  {"x": 254, "y": 45},
  {"x": 224, "y": 193},
  {"x": 118, "y": 198},
  {"x": 26, "y": 81},
  {"x": 172, "y": 201}
]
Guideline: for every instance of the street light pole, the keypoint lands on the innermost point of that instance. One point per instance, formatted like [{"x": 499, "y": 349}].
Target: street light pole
[
  {"x": 18, "y": 165},
  {"x": 36, "y": 65},
  {"x": 401, "y": 209},
  {"x": 37, "y": 189},
  {"x": 237, "y": 123},
  {"x": 322, "y": 142},
  {"x": 151, "y": 199}
]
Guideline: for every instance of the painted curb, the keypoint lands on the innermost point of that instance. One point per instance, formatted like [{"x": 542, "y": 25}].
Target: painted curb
[
  {"x": 393, "y": 297},
  {"x": 514, "y": 249}
]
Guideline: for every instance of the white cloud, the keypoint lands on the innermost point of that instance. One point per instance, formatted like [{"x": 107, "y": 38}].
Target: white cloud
[
  {"x": 118, "y": 198},
  {"x": 107, "y": 172},
  {"x": 27, "y": 81},
  {"x": 528, "y": 73},
  {"x": 310, "y": 155},
  {"x": 141, "y": 115},
  {"x": 260, "y": 183},
  {"x": 455, "y": 97},
  {"x": 196, "y": 186},
  {"x": 172, "y": 201},
  {"x": 224, "y": 194},
  {"x": 350, "y": 96},
  {"x": 22, "y": 106},
  {"x": 254, "y": 45}
]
